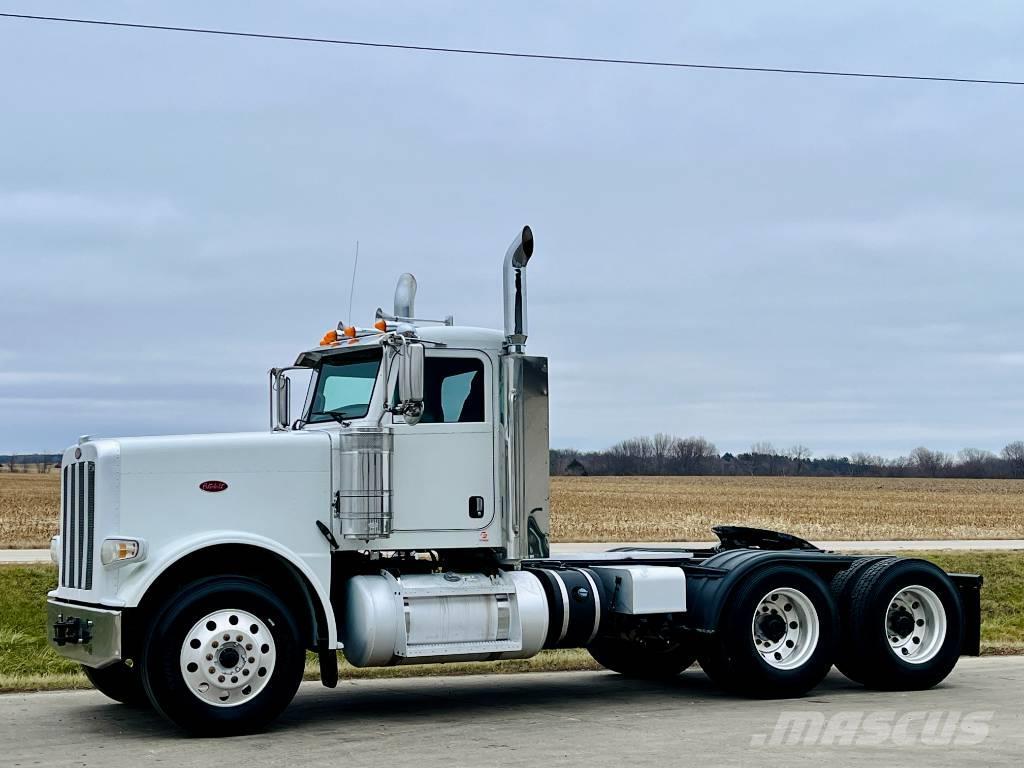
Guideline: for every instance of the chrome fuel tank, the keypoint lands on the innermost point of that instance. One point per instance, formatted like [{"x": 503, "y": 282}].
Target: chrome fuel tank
[{"x": 424, "y": 618}]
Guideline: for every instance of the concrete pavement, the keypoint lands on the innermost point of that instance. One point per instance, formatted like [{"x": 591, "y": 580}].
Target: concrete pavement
[
  {"x": 43, "y": 555},
  {"x": 552, "y": 719},
  {"x": 24, "y": 556}
]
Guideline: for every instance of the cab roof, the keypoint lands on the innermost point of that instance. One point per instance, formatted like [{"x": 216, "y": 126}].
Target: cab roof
[{"x": 455, "y": 336}]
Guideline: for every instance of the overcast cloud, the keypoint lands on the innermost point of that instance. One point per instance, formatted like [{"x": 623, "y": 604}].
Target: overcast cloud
[{"x": 748, "y": 257}]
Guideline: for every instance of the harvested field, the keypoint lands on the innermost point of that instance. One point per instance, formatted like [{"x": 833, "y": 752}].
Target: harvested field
[
  {"x": 29, "y": 505},
  {"x": 685, "y": 508}
]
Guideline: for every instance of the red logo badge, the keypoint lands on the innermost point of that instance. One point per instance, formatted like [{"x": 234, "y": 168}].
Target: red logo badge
[{"x": 213, "y": 486}]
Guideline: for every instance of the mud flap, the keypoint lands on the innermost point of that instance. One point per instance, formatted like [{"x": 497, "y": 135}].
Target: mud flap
[
  {"x": 328, "y": 664},
  {"x": 969, "y": 585}
]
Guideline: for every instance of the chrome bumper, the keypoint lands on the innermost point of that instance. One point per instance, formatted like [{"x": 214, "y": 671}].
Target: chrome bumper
[{"x": 90, "y": 636}]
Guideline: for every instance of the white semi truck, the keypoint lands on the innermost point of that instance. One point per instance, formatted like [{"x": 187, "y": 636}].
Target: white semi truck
[{"x": 402, "y": 516}]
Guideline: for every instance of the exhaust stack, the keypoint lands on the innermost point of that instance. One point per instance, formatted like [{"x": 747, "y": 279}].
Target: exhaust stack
[
  {"x": 405, "y": 296},
  {"x": 516, "y": 259}
]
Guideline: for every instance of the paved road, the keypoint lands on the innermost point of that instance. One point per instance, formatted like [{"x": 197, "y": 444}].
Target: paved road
[
  {"x": 24, "y": 555},
  {"x": 43, "y": 555},
  {"x": 559, "y": 719}
]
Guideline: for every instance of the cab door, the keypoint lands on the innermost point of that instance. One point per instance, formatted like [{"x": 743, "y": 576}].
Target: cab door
[{"x": 444, "y": 465}]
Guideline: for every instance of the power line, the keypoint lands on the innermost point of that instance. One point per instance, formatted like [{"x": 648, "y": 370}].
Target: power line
[{"x": 513, "y": 54}]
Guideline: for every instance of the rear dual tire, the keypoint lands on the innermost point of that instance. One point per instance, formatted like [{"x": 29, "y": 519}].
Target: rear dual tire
[
  {"x": 901, "y": 624},
  {"x": 776, "y": 636}
]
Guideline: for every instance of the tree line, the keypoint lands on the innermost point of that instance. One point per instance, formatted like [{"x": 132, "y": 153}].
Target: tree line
[
  {"x": 30, "y": 462},
  {"x": 663, "y": 454}
]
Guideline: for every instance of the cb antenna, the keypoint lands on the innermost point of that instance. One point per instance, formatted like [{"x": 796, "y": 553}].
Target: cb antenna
[{"x": 352, "y": 287}]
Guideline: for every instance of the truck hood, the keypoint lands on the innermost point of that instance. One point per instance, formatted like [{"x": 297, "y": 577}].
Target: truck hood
[
  {"x": 225, "y": 453},
  {"x": 182, "y": 492}
]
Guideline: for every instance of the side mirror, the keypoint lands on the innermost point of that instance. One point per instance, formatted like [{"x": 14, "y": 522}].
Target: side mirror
[
  {"x": 283, "y": 399},
  {"x": 410, "y": 382}
]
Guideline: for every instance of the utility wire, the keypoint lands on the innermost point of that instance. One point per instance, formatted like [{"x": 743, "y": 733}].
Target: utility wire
[{"x": 514, "y": 54}]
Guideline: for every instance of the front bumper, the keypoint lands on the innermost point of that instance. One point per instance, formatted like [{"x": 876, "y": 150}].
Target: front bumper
[{"x": 90, "y": 636}]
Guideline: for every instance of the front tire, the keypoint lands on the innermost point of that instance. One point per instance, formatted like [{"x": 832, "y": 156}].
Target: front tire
[
  {"x": 224, "y": 657},
  {"x": 120, "y": 683},
  {"x": 640, "y": 659},
  {"x": 776, "y": 635}
]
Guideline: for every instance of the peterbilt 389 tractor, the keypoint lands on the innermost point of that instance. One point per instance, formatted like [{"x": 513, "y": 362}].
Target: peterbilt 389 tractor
[{"x": 401, "y": 516}]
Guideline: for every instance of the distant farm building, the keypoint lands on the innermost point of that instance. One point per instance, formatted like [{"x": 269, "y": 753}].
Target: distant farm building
[{"x": 575, "y": 467}]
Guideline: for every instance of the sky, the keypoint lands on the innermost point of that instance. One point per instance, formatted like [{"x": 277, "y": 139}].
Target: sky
[{"x": 747, "y": 257}]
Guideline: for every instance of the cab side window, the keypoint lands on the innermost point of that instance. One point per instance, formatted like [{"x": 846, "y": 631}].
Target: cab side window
[{"x": 453, "y": 389}]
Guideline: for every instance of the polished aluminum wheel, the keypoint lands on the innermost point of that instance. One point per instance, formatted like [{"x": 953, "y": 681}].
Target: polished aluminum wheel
[
  {"x": 227, "y": 658},
  {"x": 915, "y": 624},
  {"x": 785, "y": 628}
]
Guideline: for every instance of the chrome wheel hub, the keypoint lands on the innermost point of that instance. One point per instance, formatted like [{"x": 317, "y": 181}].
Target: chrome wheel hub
[
  {"x": 227, "y": 658},
  {"x": 785, "y": 628},
  {"x": 915, "y": 624}
]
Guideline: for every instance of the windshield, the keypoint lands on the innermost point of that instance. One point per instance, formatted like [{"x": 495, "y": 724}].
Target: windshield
[{"x": 344, "y": 386}]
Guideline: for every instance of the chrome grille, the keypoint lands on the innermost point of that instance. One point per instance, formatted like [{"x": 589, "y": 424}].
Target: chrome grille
[{"x": 78, "y": 524}]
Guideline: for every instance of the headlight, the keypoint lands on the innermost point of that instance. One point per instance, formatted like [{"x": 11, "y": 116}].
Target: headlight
[
  {"x": 55, "y": 548},
  {"x": 122, "y": 551}
]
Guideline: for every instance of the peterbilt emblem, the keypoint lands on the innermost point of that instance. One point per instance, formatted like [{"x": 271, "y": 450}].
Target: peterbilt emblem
[
  {"x": 213, "y": 486},
  {"x": 78, "y": 453}
]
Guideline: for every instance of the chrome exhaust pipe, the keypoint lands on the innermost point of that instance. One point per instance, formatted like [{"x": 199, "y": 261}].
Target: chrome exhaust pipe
[{"x": 516, "y": 259}]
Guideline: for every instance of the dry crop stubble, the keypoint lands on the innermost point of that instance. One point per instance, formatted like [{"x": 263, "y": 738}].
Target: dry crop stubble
[{"x": 608, "y": 509}]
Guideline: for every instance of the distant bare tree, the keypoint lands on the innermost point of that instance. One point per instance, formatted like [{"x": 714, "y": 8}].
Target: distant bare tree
[
  {"x": 662, "y": 448},
  {"x": 799, "y": 454},
  {"x": 898, "y": 467},
  {"x": 927, "y": 462},
  {"x": 632, "y": 456},
  {"x": 868, "y": 464},
  {"x": 12, "y": 463},
  {"x": 764, "y": 454},
  {"x": 974, "y": 462},
  {"x": 693, "y": 454},
  {"x": 1013, "y": 454}
]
